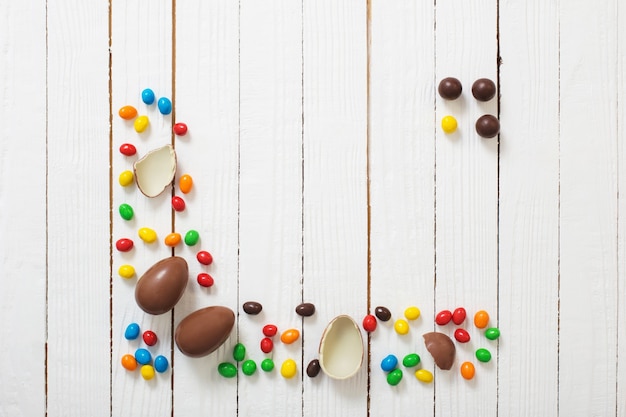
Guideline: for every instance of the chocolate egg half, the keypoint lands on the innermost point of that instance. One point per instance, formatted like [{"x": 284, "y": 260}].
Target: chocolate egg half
[
  {"x": 203, "y": 331},
  {"x": 341, "y": 348},
  {"x": 161, "y": 287},
  {"x": 441, "y": 348}
]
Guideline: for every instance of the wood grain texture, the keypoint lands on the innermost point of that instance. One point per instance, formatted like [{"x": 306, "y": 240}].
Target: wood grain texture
[
  {"x": 621, "y": 210},
  {"x": 23, "y": 165},
  {"x": 529, "y": 209}
]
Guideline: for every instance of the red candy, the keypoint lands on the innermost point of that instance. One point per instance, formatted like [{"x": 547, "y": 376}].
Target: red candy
[
  {"x": 180, "y": 129},
  {"x": 270, "y": 330},
  {"x": 369, "y": 323},
  {"x": 128, "y": 149},
  {"x": 149, "y": 337},
  {"x": 267, "y": 345},
  {"x": 204, "y": 257},
  {"x": 461, "y": 336},
  {"x": 459, "y": 315},
  {"x": 205, "y": 280},
  {"x": 178, "y": 203},
  {"x": 124, "y": 245},
  {"x": 443, "y": 317}
]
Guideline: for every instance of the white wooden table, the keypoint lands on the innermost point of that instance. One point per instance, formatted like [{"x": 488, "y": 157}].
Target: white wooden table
[{"x": 321, "y": 174}]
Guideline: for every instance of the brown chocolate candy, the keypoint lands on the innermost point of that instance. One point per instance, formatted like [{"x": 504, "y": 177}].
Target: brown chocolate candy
[
  {"x": 483, "y": 89},
  {"x": 161, "y": 287},
  {"x": 305, "y": 309},
  {"x": 441, "y": 348},
  {"x": 204, "y": 330},
  {"x": 382, "y": 313},
  {"x": 252, "y": 307},
  {"x": 450, "y": 88},
  {"x": 313, "y": 369},
  {"x": 487, "y": 126}
]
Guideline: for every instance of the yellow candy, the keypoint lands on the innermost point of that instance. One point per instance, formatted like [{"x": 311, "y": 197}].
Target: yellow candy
[
  {"x": 401, "y": 326},
  {"x": 147, "y": 235},
  {"x": 288, "y": 368},
  {"x": 147, "y": 372},
  {"x": 126, "y": 178},
  {"x": 412, "y": 313},
  {"x": 424, "y": 375},
  {"x": 141, "y": 123},
  {"x": 448, "y": 124},
  {"x": 126, "y": 271}
]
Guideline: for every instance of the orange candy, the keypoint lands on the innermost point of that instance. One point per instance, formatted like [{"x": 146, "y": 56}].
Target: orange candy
[
  {"x": 185, "y": 183},
  {"x": 173, "y": 239},
  {"x": 481, "y": 319},
  {"x": 129, "y": 362},
  {"x": 467, "y": 370},
  {"x": 289, "y": 336},
  {"x": 128, "y": 112}
]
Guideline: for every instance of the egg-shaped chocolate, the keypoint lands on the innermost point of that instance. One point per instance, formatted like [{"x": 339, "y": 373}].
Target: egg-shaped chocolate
[
  {"x": 341, "y": 348},
  {"x": 204, "y": 330},
  {"x": 161, "y": 287}
]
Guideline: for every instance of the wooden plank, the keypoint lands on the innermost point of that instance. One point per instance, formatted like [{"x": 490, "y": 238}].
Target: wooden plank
[
  {"x": 141, "y": 45},
  {"x": 79, "y": 321},
  {"x": 467, "y": 201},
  {"x": 402, "y": 198},
  {"x": 335, "y": 188},
  {"x": 621, "y": 213},
  {"x": 270, "y": 215},
  {"x": 529, "y": 209},
  {"x": 23, "y": 156},
  {"x": 588, "y": 198},
  {"x": 207, "y": 91}
]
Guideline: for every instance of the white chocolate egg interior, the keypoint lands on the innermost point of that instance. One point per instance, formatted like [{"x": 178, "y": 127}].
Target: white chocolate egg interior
[
  {"x": 155, "y": 171},
  {"x": 341, "y": 348}
]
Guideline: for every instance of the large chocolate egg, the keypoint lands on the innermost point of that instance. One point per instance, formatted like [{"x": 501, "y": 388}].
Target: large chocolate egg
[
  {"x": 161, "y": 287},
  {"x": 203, "y": 331}
]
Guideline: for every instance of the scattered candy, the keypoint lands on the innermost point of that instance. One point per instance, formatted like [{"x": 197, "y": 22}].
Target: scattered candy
[
  {"x": 126, "y": 211},
  {"x": 127, "y": 112},
  {"x": 461, "y": 336},
  {"x": 467, "y": 370},
  {"x": 448, "y": 124},
  {"x": 487, "y": 126},
  {"x": 185, "y": 183},
  {"x": 205, "y": 280},
  {"x": 267, "y": 365},
  {"x": 124, "y": 245},
  {"x": 394, "y": 377},
  {"x": 162, "y": 285},
  {"x": 129, "y": 362},
  {"x": 147, "y": 372},
  {"x": 481, "y": 319},
  {"x": 458, "y": 317},
  {"x": 270, "y": 330},
  {"x": 178, "y": 204},
  {"x": 483, "y": 89},
  {"x": 289, "y": 368},
  {"x": 313, "y": 369},
  {"x": 161, "y": 364},
  {"x": 149, "y": 338},
  {"x": 132, "y": 331},
  {"x": 147, "y": 96},
  {"x": 382, "y": 313},
  {"x": 252, "y": 307},
  {"x": 289, "y": 336},
  {"x": 165, "y": 105},
  {"x": 227, "y": 369},
  {"x": 492, "y": 333},
  {"x": 239, "y": 352},
  {"x": 248, "y": 367},
  {"x": 305, "y": 309},
  {"x": 450, "y": 88},
  {"x": 443, "y": 317},
  {"x": 128, "y": 149},
  {"x": 180, "y": 129},
  {"x": 172, "y": 239},
  {"x": 401, "y": 326},
  {"x": 141, "y": 123},
  {"x": 204, "y": 257},
  {"x": 147, "y": 235},
  {"x": 369, "y": 323},
  {"x": 143, "y": 356},
  {"x": 266, "y": 345},
  {"x": 412, "y": 313},
  {"x": 389, "y": 363},
  {"x": 483, "y": 355},
  {"x": 424, "y": 375},
  {"x": 126, "y": 178},
  {"x": 126, "y": 271},
  {"x": 191, "y": 237},
  {"x": 411, "y": 360},
  {"x": 441, "y": 348}
]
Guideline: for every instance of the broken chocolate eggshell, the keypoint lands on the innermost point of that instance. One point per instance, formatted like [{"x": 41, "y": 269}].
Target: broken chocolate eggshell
[
  {"x": 441, "y": 348},
  {"x": 161, "y": 287},
  {"x": 155, "y": 171},
  {"x": 204, "y": 330},
  {"x": 341, "y": 348}
]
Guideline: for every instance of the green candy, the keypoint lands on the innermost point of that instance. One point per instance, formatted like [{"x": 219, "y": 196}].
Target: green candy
[
  {"x": 267, "y": 365},
  {"x": 394, "y": 377},
  {"x": 126, "y": 211},
  {"x": 492, "y": 333},
  {"x": 248, "y": 367},
  {"x": 483, "y": 355},
  {"x": 411, "y": 360},
  {"x": 239, "y": 352},
  {"x": 192, "y": 237},
  {"x": 227, "y": 370}
]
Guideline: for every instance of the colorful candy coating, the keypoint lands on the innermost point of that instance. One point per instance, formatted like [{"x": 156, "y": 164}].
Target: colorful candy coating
[
  {"x": 165, "y": 105},
  {"x": 128, "y": 149},
  {"x": 127, "y": 112},
  {"x": 266, "y": 345},
  {"x": 443, "y": 317},
  {"x": 481, "y": 319},
  {"x": 143, "y": 356},
  {"x": 412, "y": 313},
  {"x": 132, "y": 331},
  {"x": 172, "y": 239},
  {"x": 382, "y": 313},
  {"x": 458, "y": 316},
  {"x": 289, "y": 336},
  {"x": 248, "y": 367},
  {"x": 369, "y": 323},
  {"x": 227, "y": 370},
  {"x": 126, "y": 211},
  {"x": 483, "y": 355},
  {"x": 126, "y": 271},
  {"x": 401, "y": 326},
  {"x": 129, "y": 362},
  {"x": 204, "y": 257},
  {"x": 267, "y": 365},
  {"x": 394, "y": 377},
  {"x": 147, "y": 372},
  {"x": 192, "y": 237},
  {"x": 270, "y": 330},
  {"x": 185, "y": 183},
  {"x": 178, "y": 204},
  {"x": 141, "y": 123},
  {"x": 492, "y": 333},
  {"x": 180, "y": 129},
  {"x": 239, "y": 352},
  {"x": 411, "y": 360},
  {"x": 288, "y": 369},
  {"x": 467, "y": 370},
  {"x": 126, "y": 178},
  {"x": 389, "y": 363},
  {"x": 205, "y": 280},
  {"x": 461, "y": 335},
  {"x": 448, "y": 124},
  {"x": 424, "y": 375},
  {"x": 149, "y": 338},
  {"x": 161, "y": 364},
  {"x": 147, "y": 235},
  {"x": 124, "y": 245},
  {"x": 147, "y": 96}
]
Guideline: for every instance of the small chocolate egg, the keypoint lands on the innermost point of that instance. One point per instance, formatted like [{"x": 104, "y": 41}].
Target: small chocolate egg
[
  {"x": 204, "y": 330},
  {"x": 305, "y": 309},
  {"x": 341, "y": 348},
  {"x": 161, "y": 287}
]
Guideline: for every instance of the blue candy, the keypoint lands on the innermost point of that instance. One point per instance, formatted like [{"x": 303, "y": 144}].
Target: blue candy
[
  {"x": 132, "y": 331},
  {"x": 147, "y": 96},
  {"x": 389, "y": 363},
  {"x": 143, "y": 356},
  {"x": 161, "y": 363},
  {"x": 165, "y": 105}
]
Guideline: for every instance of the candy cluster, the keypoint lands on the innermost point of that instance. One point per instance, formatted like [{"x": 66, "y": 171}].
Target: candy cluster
[{"x": 143, "y": 356}]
